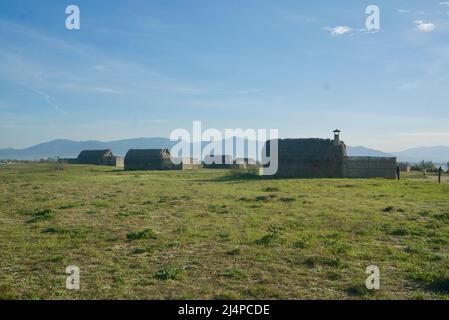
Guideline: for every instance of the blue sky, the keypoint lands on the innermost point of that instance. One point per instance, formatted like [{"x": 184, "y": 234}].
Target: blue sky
[{"x": 144, "y": 68}]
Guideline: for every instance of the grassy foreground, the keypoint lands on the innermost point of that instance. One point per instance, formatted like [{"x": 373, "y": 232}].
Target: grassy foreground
[{"x": 206, "y": 235}]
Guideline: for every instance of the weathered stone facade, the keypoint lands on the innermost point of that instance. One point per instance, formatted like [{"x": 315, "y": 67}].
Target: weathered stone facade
[
  {"x": 325, "y": 158},
  {"x": 149, "y": 159},
  {"x": 309, "y": 158},
  {"x": 97, "y": 157},
  {"x": 157, "y": 159}
]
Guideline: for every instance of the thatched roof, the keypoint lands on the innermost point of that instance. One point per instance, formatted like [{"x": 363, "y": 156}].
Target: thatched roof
[{"x": 148, "y": 159}]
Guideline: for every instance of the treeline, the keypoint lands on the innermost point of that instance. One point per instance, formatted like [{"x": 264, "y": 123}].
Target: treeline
[{"x": 429, "y": 166}]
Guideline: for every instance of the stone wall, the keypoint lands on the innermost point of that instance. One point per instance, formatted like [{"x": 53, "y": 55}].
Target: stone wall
[{"x": 369, "y": 167}]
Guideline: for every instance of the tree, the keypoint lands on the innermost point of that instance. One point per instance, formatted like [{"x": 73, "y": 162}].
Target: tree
[{"x": 424, "y": 165}]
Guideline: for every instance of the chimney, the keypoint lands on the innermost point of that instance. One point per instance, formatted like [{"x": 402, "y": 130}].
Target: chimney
[{"x": 336, "y": 136}]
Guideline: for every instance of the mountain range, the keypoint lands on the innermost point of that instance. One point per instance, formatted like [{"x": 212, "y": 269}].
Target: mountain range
[{"x": 70, "y": 149}]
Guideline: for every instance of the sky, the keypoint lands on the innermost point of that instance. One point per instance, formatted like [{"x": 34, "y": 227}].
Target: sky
[{"x": 144, "y": 68}]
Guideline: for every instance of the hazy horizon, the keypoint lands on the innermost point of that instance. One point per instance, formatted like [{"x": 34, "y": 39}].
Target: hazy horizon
[{"x": 161, "y": 137}]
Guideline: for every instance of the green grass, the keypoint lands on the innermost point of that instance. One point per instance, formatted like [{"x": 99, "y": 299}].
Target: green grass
[{"x": 211, "y": 234}]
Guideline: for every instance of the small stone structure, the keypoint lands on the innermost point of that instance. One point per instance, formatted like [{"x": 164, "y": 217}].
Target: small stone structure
[
  {"x": 325, "y": 158},
  {"x": 156, "y": 159},
  {"x": 149, "y": 159},
  {"x": 309, "y": 158},
  {"x": 119, "y": 162},
  {"x": 97, "y": 157}
]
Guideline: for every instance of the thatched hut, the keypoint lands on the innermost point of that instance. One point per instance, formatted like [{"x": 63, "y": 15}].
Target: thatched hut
[
  {"x": 98, "y": 157},
  {"x": 149, "y": 159}
]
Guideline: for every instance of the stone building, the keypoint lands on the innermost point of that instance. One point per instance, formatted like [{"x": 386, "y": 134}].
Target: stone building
[
  {"x": 149, "y": 159},
  {"x": 325, "y": 158},
  {"x": 156, "y": 159},
  {"x": 98, "y": 157}
]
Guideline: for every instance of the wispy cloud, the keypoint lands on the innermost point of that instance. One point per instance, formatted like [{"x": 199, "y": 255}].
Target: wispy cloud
[
  {"x": 409, "y": 86},
  {"x": 423, "y": 134},
  {"x": 301, "y": 18},
  {"x": 339, "y": 30},
  {"x": 345, "y": 30},
  {"x": 99, "y": 67},
  {"x": 48, "y": 99},
  {"x": 247, "y": 91},
  {"x": 112, "y": 76},
  {"x": 414, "y": 12},
  {"x": 106, "y": 90},
  {"x": 446, "y": 4},
  {"x": 424, "y": 26}
]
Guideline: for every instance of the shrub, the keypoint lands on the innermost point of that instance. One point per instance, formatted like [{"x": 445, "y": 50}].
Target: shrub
[
  {"x": 169, "y": 273},
  {"x": 145, "y": 234},
  {"x": 272, "y": 235},
  {"x": 424, "y": 165},
  {"x": 41, "y": 215}
]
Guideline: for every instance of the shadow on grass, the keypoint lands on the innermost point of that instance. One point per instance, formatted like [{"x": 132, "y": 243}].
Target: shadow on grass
[{"x": 440, "y": 285}]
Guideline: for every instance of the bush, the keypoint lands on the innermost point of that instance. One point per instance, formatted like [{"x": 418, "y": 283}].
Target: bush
[
  {"x": 41, "y": 215},
  {"x": 145, "y": 234},
  {"x": 169, "y": 273},
  {"x": 425, "y": 165}
]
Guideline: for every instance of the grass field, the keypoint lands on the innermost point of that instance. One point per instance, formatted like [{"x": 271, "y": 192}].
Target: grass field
[{"x": 209, "y": 234}]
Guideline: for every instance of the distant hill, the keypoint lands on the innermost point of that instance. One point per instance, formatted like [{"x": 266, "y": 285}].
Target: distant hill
[
  {"x": 71, "y": 149},
  {"x": 435, "y": 154},
  {"x": 360, "y": 151}
]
